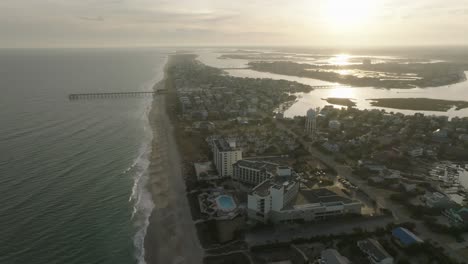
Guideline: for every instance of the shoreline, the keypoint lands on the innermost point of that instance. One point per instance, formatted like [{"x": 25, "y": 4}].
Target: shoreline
[{"x": 171, "y": 236}]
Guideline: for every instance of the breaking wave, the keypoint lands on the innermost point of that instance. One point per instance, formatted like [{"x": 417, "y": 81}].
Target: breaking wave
[{"x": 141, "y": 196}]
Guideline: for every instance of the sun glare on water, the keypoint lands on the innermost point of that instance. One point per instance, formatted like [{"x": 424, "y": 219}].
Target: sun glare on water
[
  {"x": 340, "y": 59},
  {"x": 349, "y": 14},
  {"x": 341, "y": 92}
]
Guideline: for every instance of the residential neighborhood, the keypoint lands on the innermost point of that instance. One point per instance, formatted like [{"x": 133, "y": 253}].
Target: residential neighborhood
[{"x": 259, "y": 178}]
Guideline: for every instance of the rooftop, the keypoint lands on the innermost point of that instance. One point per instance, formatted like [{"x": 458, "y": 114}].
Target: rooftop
[
  {"x": 205, "y": 170},
  {"x": 223, "y": 145},
  {"x": 331, "y": 256},
  {"x": 463, "y": 213},
  {"x": 373, "y": 248},
  {"x": 258, "y": 165},
  {"x": 405, "y": 236},
  {"x": 263, "y": 189},
  {"x": 319, "y": 197},
  {"x": 436, "y": 196}
]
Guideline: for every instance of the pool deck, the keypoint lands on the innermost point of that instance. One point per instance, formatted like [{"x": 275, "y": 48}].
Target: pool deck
[{"x": 213, "y": 205}]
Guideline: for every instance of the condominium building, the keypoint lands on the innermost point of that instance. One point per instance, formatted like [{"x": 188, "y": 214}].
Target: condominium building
[
  {"x": 225, "y": 154},
  {"x": 270, "y": 196},
  {"x": 255, "y": 172},
  {"x": 280, "y": 200}
]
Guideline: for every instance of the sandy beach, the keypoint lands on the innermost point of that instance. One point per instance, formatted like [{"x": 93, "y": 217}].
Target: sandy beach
[{"x": 171, "y": 236}]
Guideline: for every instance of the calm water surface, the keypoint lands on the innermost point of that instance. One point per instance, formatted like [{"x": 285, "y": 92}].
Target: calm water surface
[{"x": 359, "y": 94}]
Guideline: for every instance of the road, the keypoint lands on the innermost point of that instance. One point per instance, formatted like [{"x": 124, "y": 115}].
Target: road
[{"x": 285, "y": 233}]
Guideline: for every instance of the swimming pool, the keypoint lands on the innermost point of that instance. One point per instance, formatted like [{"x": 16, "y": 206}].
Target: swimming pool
[{"x": 225, "y": 203}]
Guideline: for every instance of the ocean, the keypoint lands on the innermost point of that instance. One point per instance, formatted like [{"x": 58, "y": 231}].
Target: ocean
[{"x": 73, "y": 173}]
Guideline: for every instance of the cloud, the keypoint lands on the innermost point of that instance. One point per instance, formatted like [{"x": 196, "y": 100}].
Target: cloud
[
  {"x": 97, "y": 18},
  {"x": 151, "y": 22}
]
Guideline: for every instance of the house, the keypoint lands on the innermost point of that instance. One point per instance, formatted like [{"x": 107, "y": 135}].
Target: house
[
  {"x": 374, "y": 251},
  {"x": 408, "y": 187},
  {"x": 463, "y": 137},
  {"x": 390, "y": 175},
  {"x": 204, "y": 125},
  {"x": 376, "y": 180},
  {"x": 436, "y": 200},
  {"x": 457, "y": 217},
  {"x": 334, "y": 125},
  {"x": 416, "y": 152},
  {"x": 331, "y": 147},
  {"x": 440, "y": 135},
  {"x": 371, "y": 166}
]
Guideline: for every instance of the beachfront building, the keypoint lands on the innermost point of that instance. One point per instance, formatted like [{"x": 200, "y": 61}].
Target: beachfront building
[
  {"x": 280, "y": 200},
  {"x": 374, "y": 251},
  {"x": 271, "y": 196},
  {"x": 225, "y": 154},
  {"x": 255, "y": 172}
]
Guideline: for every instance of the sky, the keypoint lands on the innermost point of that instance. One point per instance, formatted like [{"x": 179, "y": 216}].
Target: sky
[{"x": 119, "y": 23}]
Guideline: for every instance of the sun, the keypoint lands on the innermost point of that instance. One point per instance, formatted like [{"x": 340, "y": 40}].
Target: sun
[{"x": 349, "y": 14}]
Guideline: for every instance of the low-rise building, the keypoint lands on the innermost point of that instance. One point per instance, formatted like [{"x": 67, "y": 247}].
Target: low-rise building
[
  {"x": 334, "y": 125},
  {"x": 332, "y": 256},
  {"x": 457, "y": 217},
  {"x": 205, "y": 171},
  {"x": 463, "y": 137},
  {"x": 436, "y": 200},
  {"x": 332, "y": 147},
  {"x": 390, "y": 175},
  {"x": 404, "y": 237},
  {"x": 408, "y": 187},
  {"x": 440, "y": 135},
  {"x": 371, "y": 166},
  {"x": 416, "y": 152},
  {"x": 374, "y": 251}
]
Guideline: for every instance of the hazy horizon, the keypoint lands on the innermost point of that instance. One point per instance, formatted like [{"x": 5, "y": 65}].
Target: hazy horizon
[{"x": 124, "y": 23}]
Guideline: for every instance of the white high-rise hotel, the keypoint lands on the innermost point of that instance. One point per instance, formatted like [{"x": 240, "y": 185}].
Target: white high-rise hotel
[{"x": 225, "y": 154}]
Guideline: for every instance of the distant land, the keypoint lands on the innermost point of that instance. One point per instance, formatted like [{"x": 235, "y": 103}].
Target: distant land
[
  {"x": 419, "y": 104},
  {"x": 339, "y": 101},
  {"x": 382, "y": 75}
]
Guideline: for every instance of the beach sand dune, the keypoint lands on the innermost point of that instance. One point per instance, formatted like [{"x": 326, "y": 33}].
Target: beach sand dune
[{"x": 171, "y": 236}]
